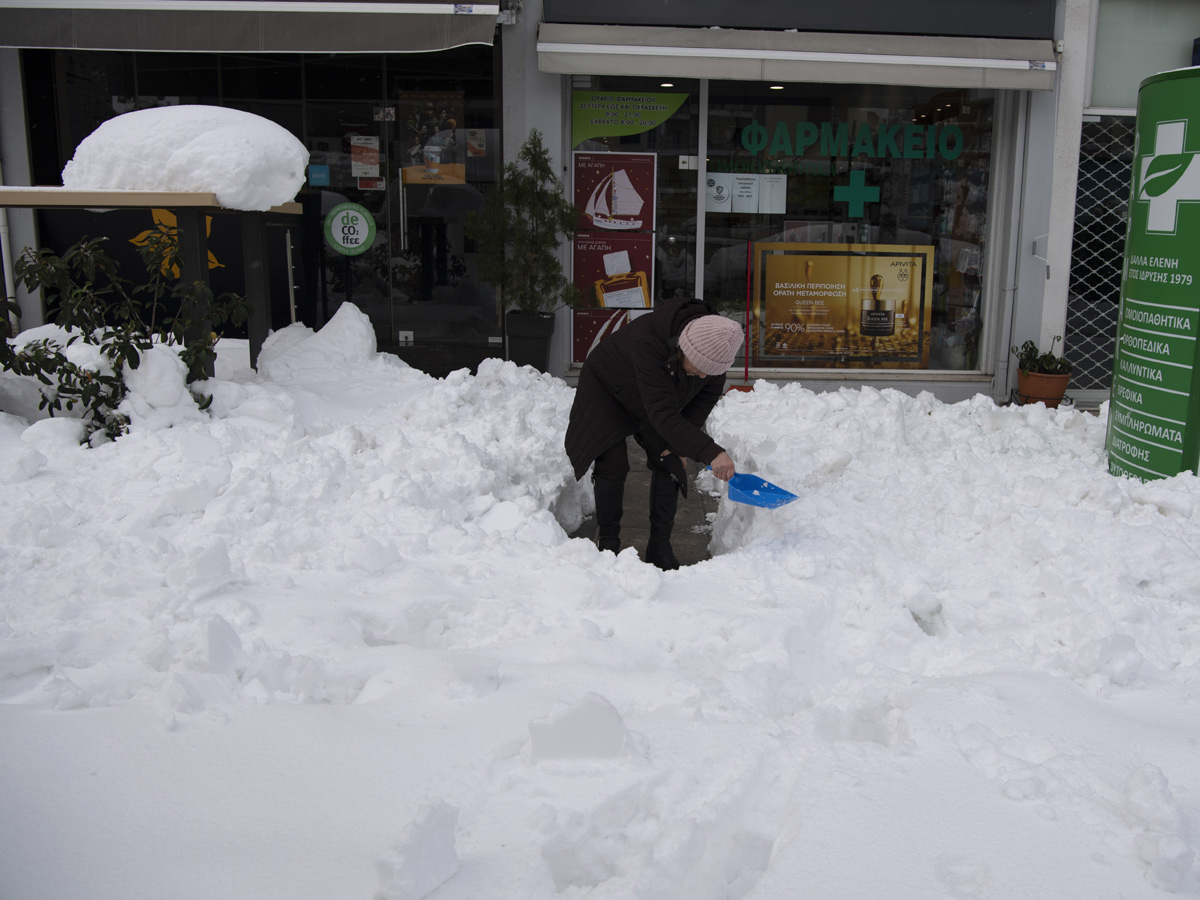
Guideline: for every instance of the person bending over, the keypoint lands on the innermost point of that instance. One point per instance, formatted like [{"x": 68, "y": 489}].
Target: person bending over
[{"x": 657, "y": 379}]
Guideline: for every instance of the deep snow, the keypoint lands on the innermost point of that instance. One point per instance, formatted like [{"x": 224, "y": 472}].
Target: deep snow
[{"x": 329, "y": 639}]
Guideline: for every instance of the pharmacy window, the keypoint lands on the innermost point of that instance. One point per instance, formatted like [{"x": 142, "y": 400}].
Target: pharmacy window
[{"x": 848, "y": 222}]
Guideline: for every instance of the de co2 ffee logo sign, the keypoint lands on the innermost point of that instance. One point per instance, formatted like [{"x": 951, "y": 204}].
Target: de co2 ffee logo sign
[{"x": 350, "y": 229}]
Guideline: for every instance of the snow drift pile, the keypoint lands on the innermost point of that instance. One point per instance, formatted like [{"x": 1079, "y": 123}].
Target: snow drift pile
[{"x": 330, "y": 638}]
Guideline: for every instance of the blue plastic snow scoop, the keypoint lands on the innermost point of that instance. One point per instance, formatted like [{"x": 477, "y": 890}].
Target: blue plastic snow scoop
[{"x": 755, "y": 491}]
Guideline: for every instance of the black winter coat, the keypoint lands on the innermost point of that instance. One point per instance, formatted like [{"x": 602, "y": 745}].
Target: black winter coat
[{"x": 628, "y": 386}]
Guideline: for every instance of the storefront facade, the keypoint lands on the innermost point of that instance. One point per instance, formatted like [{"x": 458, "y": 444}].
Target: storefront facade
[
  {"x": 855, "y": 200},
  {"x": 811, "y": 194},
  {"x": 399, "y": 110},
  {"x": 788, "y": 162}
]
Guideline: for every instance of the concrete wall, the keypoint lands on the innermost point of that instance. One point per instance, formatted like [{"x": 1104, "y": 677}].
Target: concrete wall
[
  {"x": 1072, "y": 90},
  {"x": 533, "y": 99},
  {"x": 14, "y": 167},
  {"x": 1033, "y": 212},
  {"x": 1046, "y": 199}
]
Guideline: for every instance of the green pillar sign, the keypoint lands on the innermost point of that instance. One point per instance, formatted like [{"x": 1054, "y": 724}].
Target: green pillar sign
[{"x": 1154, "y": 413}]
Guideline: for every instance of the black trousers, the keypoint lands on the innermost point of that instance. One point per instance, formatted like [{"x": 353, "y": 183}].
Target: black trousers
[{"x": 613, "y": 463}]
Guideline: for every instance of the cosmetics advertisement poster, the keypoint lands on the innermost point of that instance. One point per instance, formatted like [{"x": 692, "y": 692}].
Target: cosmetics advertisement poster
[
  {"x": 815, "y": 303},
  {"x": 615, "y": 191}
]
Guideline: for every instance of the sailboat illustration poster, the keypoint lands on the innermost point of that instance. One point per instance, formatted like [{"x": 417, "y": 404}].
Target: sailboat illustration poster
[{"x": 615, "y": 191}]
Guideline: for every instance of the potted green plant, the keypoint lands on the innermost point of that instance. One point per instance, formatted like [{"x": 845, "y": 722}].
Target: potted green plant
[
  {"x": 1041, "y": 375},
  {"x": 524, "y": 220}
]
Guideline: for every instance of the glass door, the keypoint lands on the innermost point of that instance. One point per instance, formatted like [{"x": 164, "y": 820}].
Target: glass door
[
  {"x": 443, "y": 154},
  {"x": 444, "y": 316}
]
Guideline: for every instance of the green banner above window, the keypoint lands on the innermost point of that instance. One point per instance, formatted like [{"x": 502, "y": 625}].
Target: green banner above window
[{"x": 596, "y": 114}]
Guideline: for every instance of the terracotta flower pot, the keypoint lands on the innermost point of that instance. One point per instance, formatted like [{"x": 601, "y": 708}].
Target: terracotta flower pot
[{"x": 1034, "y": 387}]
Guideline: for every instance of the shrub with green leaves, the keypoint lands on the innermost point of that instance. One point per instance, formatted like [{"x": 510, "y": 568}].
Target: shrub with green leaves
[
  {"x": 525, "y": 218},
  {"x": 1031, "y": 359},
  {"x": 92, "y": 302}
]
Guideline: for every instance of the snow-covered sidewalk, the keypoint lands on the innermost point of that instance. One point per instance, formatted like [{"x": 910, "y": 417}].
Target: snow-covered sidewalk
[{"x": 329, "y": 639}]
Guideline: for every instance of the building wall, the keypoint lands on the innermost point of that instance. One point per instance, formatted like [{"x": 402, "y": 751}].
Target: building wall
[
  {"x": 14, "y": 161},
  {"x": 1042, "y": 169},
  {"x": 534, "y": 99},
  {"x": 1075, "y": 18}
]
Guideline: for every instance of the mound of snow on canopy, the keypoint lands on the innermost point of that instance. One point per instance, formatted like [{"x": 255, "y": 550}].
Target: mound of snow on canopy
[{"x": 249, "y": 162}]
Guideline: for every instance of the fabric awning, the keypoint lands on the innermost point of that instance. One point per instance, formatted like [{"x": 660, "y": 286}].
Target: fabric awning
[
  {"x": 783, "y": 56},
  {"x": 247, "y": 26}
]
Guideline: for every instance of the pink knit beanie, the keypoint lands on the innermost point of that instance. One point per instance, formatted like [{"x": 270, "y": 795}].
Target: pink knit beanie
[{"x": 711, "y": 343}]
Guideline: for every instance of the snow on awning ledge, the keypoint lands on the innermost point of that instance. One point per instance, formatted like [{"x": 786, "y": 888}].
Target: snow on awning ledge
[{"x": 65, "y": 198}]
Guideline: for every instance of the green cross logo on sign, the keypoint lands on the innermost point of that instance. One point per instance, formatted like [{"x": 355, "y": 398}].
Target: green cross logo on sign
[
  {"x": 1169, "y": 176},
  {"x": 856, "y": 193}
]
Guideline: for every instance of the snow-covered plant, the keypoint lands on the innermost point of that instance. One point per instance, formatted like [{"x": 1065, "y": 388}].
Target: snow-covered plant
[
  {"x": 88, "y": 298},
  {"x": 70, "y": 384}
]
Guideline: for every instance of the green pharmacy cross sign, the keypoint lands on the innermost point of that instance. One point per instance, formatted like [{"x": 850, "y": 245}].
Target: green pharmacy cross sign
[
  {"x": 1154, "y": 411},
  {"x": 856, "y": 193}
]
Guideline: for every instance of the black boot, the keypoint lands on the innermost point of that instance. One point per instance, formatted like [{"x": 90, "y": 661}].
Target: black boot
[
  {"x": 610, "y": 504},
  {"x": 664, "y": 497}
]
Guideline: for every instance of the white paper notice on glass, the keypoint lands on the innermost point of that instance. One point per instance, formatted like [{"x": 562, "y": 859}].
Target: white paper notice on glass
[
  {"x": 364, "y": 156},
  {"x": 745, "y": 193},
  {"x": 772, "y": 194},
  {"x": 720, "y": 192},
  {"x": 617, "y": 263}
]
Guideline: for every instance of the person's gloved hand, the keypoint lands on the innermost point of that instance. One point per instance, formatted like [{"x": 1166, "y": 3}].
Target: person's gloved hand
[{"x": 676, "y": 467}]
